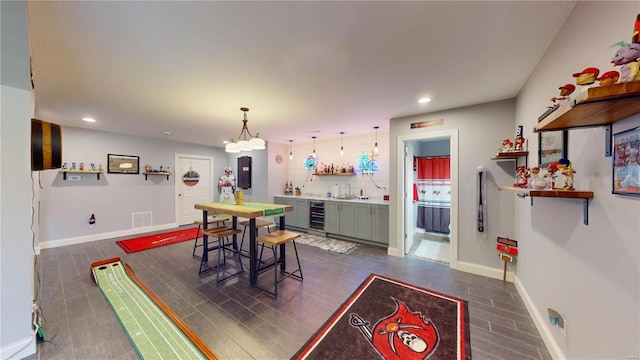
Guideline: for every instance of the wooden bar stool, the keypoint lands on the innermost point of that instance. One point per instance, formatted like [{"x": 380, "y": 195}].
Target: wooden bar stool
[
  {"x": 211, "y": 220},
  {"x": 221, "y": 246},
  {"x": 260, "y": 223},
  {"x": 278, "y": 239}
]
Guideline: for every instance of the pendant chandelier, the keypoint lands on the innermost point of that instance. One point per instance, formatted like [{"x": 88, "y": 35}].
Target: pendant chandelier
[
  {"x": 341, "y": 143},
  {"x": 245, "y": 141}
]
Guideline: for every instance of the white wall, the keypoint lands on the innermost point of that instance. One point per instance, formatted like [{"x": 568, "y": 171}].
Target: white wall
[
  {"x": 328, "y": 152},
  {"x": 16, "y": 259},
  {"x": 65, "y": 206},
  {"x": 591, "y": 273},
  {"x": 481, "y": 129}
]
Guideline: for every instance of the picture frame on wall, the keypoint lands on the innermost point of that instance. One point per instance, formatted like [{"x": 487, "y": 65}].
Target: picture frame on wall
[
  {"x": 552, "y": 147},
  {"x": 123, "y": 164},
  {"x": 626, "y": 162}
]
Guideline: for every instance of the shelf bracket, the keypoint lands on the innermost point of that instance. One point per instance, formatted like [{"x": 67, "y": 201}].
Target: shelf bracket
[
  {"x": 585, "y": 211},
  {"x": 608, "y": 136}
]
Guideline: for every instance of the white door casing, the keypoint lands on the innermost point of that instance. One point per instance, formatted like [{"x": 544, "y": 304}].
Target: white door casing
[
  {"x": 402, "y": 186},
  {"x": 188, "y": 195}
]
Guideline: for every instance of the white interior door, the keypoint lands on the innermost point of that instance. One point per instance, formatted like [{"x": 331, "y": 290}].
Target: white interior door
[
  {"x": 194, "y": 190},
  {"x": 409, "y": 213}
]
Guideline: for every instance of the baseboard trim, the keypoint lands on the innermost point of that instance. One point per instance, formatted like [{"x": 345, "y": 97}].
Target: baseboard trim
[
  {"x": 103, "y": 236},
  {"x": 540, "y": 321},
  {"x": 483, "y": 270},
  {"x": 19, "y": 349}
]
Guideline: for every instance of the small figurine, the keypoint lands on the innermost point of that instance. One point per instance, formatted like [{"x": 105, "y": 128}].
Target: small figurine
[
  {"x": 537, "y": 182},
  {"x": 551, "y": 172},
  {"x": 609, "y": 78},
  {"x": 81, "y": 166},
  {"x": 565, "y": 91},
  {"x": 73, "y": 166},
  {"x": 64, "y": 166},
  {"x": 519, "y": 144},
  {"x": 100, "y": 167},
  {"x": 586, "y": 77},
  {"x": 627, "y": 58},
  {"x": 93, "y": 167},
  {"x": 566, "y": 168},
  {"x": 507, "y": 145},
  {"x": 523, "y": 177},
  {"x": 147, "y": 168}
]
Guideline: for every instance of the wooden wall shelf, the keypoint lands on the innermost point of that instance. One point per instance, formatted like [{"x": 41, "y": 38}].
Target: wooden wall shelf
[
  {"x": 339, "y": 174},
  {"x": 566, "y": 194},
  {"x": 163, "y": 173},
  {"x": 509, "y": 155},
  {"x": 602, "y": 105},
  {"x": 64, "y": 172}
]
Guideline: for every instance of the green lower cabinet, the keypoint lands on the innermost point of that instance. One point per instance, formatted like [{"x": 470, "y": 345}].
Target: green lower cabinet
[
  {"x": 299, "y": 217},
  {"x": 340, "y": 218}
]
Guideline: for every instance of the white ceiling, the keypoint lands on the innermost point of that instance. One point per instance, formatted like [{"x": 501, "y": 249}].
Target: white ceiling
[{"x": 302, "y": 68}]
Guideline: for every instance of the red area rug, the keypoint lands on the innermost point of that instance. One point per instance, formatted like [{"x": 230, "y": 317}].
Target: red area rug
[
  {"x": 388, "y": 319},
  {"x": 157, "y": 240}
]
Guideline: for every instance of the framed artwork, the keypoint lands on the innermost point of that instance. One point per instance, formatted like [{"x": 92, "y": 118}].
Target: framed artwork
[
  {"x": 552, "y": 147},
  {"x": 123, "y": 164},
  {"x": 626, "y": 162}
]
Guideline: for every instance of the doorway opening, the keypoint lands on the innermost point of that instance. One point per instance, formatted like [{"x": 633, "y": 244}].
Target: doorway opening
[{"x": 430, "y": 200}]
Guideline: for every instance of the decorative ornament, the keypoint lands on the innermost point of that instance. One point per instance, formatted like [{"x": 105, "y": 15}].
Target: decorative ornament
[
  {"x": 191, "y": 177},
  {"x": 310, "y": 162},
  {"x": 367, "y": 163}
]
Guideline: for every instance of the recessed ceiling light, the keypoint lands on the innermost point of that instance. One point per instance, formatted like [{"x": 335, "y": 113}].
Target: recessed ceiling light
[
  {"x": 424, "y": 100},
  {"x": 167, "y": 133},
  {"x": 225, "y": 142},
  {"x": 88, "y": 119}
]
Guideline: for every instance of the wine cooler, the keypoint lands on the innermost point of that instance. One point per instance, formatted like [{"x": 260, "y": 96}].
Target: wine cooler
[{"x": 316, "y": 217}]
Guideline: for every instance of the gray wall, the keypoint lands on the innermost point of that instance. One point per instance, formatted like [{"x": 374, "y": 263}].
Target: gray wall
[
  {"x": 481, "y": 129},
  {"x": 16, "y": 259},
  {"x": 65, "y": 206},
  {"x": 591, "y": 273}
]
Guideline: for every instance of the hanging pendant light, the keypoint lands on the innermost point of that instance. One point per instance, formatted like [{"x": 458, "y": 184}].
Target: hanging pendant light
[
  {"x": 290, "y": 152},
  {"x": 242, "y": 142},
  {"x": 375, "y": 149},
  {"x": 314, "y": 146},
  {"x": 341, "y": 143}
]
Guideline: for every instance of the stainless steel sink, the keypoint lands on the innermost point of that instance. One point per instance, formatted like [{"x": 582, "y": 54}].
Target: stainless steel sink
[{"x": 347, "y": 197}]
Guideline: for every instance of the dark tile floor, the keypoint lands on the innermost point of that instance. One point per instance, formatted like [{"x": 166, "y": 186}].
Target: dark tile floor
[{"x": 241, "y": 322}]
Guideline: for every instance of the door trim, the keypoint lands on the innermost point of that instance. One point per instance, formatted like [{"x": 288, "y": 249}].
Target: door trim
[
  {"x": 403, "y": 193},
  {"x": 178, "y": 177}
]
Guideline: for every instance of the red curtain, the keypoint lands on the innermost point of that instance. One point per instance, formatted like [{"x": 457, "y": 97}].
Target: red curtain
[
  {"x": 436, "y": 168},
  {"x": 434, "y": 194}
]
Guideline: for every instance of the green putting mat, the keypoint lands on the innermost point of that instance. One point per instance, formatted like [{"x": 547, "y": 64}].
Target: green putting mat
[{"x": 151, "y": 331}]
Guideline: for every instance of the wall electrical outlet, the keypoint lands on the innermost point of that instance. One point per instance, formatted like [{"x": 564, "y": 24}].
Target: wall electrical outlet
[{"x": 556, "y": 319}]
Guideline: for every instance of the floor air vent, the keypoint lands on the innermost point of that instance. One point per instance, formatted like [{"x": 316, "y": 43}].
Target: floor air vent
[{"x": 141, "y": 219}]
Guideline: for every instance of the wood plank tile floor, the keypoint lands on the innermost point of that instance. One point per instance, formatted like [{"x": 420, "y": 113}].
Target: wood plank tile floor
[{"x": 241, "y": 322}]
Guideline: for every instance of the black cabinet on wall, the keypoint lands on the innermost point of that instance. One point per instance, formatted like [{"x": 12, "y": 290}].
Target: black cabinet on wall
[{"x": 244, "y": 172}]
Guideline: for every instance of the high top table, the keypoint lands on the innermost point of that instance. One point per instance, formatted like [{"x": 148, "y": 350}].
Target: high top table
[{"x": 250, "y": 210}]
